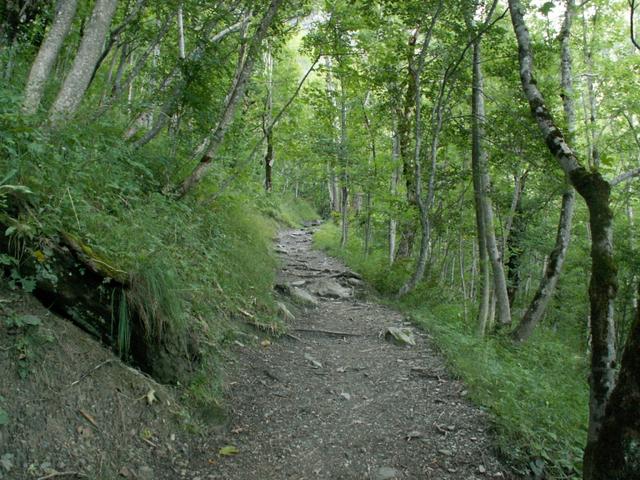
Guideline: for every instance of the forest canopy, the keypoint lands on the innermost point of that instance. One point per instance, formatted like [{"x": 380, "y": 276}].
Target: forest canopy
[{"x": 476, "y": 160}]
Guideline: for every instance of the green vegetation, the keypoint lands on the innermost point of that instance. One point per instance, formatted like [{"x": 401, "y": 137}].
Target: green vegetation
[
  {"x": 149, "y": 151},
  {"x": 535, "y": 392},
  {"x": 193, "y": 268}
]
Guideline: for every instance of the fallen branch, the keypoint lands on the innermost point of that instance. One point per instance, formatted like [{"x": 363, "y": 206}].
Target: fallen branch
[
  {"x": 63, "y": 474},
  {"x": 149, "y": 442},
  {"x": 291, "y": 335},
  {"x": 328, "y": 332},
  {"x": 86, "y": 374},
  {"x": 89, "y": 418}
]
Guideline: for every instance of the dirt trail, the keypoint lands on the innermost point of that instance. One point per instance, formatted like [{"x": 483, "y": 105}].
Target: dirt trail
[{"x": 328, "y": 406}]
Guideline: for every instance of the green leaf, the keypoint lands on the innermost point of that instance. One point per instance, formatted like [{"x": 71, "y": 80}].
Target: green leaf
[
  {"x": 28, "y": 284},
  {"x": 229, "y": 450},
  {"x": 546, "y": 8}
]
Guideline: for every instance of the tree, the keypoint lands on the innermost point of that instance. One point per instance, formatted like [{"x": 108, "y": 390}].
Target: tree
[
  {"x": 603, "y": 284},
  {"x": 235, "y": 95},
  {"x": 88, "y": 54},
  {"x": 47, "y": 55},
  {"x": 547, "y": 286}
]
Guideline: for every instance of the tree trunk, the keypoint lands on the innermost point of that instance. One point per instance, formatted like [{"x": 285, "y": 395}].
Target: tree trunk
[
  {"x": 483, "y": 182},
  {"x": 232, "y": 101},
  {"x": 181, "y": 49},
  {"x": 371, "y": 179},
  {"x": 515, "y": 230},
  {"x": 266, "y": 122},
  {"x": 484, "y": 277},
  {"x": 552, "y": 270},
  {"x": 615, "y": 454},
  {"x": 77, "y": 81},
  {"x": 603, "y": 284},
  {"x": 47, "y": 55},
  {"x": 543, "y": 295},
  {"x": 344, "y": 176},
  {"x": 424, "y": 205},
  {"x": 592, "y": 136},
  {"x": 393, "y": 223},
  {"x": 406, "y": 116}
]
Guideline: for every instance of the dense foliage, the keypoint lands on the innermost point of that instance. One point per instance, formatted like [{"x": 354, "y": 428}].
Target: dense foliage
[{"x": 164, "y": 150}]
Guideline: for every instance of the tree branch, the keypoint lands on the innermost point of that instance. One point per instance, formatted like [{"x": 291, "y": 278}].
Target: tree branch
[{"x": 623, "y": 177}]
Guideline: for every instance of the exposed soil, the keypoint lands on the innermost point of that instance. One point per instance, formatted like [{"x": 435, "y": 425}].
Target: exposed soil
[
  {"x": 332, "y": 400},
  {"x": 75, "y": 408},
  {"x": 356, "y": 406}
]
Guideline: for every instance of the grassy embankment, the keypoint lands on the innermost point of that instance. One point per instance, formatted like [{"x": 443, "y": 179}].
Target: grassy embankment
[
  {"x": 199, "y": 271},
  {"x": 537, "y": 393}
]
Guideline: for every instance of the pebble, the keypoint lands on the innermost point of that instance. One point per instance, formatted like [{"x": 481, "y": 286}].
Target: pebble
[{"x": 386, "y": 473}]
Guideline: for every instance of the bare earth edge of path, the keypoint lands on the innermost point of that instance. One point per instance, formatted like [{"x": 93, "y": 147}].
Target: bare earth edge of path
[
  {"x": 323, "y": 405},
  {"x": 333, "y": 400}
]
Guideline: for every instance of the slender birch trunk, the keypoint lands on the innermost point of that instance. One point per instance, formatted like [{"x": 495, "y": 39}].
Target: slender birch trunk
[
  {"x": 371, "y": 164},
  {"x": 484, "y": 276},
  {"x": 47, "y": 55},
  {"x": 77, "y": 81},
  {"x": 233, "y": 100},
  {"x": 603, "y": 284},
  {"x": 483, "y": 200},
  {"x": 181, "y": 49},
  {"x": 553, "y": 267},
  {"x": 512, "y": 239},
  {"x": 344, "y": 176},
  {"x": 395, "y": 174},
  {"x": 266, "y": 122},
  {"x": 424, "y": 205},
  {"x": 590, "y": 107}
]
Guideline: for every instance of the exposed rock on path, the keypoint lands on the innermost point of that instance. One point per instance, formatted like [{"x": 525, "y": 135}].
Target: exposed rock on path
[{"x": 335, "y": 400}]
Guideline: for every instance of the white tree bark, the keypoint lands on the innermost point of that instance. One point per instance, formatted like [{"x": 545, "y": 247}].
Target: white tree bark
[
  {"x": 232, "y": 101},
  {"x": 78, "y": 78},
  {"x": 482, "y": 197},
  {"x": 181, "y": 49},
  {"x": 47, "y": 55},
  {"x": 553, "y": 267},
  {"x": 395, "y": 176},
  {"x": 603, "y": 284}
]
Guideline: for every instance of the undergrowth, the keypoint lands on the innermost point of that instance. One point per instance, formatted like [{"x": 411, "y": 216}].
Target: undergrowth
[
  {"x": 195, "y": 269},
  {"x": 537, "y": 393}
]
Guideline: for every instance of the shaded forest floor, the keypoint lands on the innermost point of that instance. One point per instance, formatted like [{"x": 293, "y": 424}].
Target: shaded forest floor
[
  {"x": 336, "y": 400},
  {"x": 333, "y": 399}
]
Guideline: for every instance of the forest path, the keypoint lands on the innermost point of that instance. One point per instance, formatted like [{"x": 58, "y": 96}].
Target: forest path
[{"x": 318, "y": 405}]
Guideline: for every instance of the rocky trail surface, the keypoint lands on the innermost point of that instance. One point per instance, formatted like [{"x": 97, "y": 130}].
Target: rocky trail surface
[{"x": 335, "y": 399}]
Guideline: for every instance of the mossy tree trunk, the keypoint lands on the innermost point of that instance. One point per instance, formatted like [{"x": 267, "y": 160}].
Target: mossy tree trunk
[
  {"x": 546, "y": 289},
  {"x": 603, "y": 284},
  {"x": 616, "y": 452}
]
